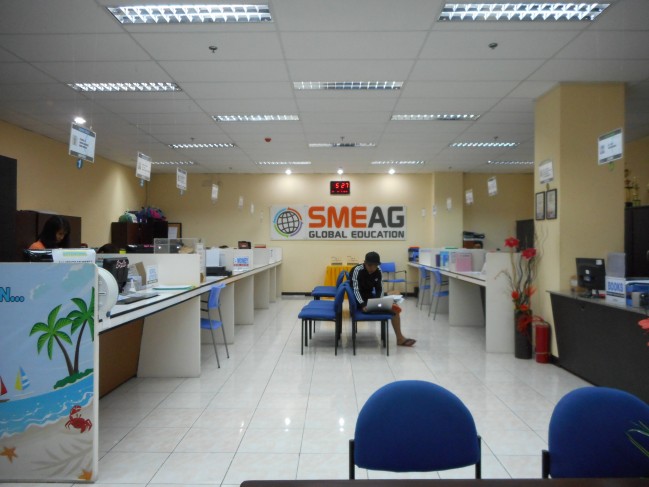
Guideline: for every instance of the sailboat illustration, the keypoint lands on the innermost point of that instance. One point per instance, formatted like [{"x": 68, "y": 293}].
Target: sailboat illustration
[
  {"x": 22, "y": 383},
  {"x": 3, "y": 391}
]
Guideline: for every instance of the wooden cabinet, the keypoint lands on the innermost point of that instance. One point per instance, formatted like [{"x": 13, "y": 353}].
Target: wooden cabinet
[{"x": 125, "y": 233}]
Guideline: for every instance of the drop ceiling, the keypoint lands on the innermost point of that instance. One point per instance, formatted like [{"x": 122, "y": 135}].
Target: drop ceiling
[{"x": 446, "y": 67}]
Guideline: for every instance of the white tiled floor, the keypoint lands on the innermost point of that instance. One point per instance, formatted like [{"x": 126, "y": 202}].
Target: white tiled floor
[{"x": 271, "y": 413}]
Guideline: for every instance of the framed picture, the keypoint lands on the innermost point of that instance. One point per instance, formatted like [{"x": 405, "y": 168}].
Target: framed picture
[
  {"x": 175, "y": 230},
  {"x": 539, "y": 205},
  {"x": 551, "y": 204}
]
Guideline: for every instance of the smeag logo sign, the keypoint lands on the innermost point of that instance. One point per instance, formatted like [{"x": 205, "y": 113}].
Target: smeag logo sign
[{"x": 321, "y": 222}]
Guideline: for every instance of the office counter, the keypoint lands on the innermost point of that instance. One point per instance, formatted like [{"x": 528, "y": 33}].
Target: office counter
[
  {"x": 161, "y": 336},
  {"x": 477, "y": 299},
  {"x": 602, "y": 342}
]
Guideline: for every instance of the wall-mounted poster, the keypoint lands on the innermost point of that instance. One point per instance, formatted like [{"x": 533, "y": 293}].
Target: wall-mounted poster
[
  {"x": 539, "y": 206},
  {"x": 48, "y": 391},
  {"x": 551, "y": 204}
]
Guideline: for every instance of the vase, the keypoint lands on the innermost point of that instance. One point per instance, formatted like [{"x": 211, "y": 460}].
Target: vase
[{"x": 522, "y": 341}]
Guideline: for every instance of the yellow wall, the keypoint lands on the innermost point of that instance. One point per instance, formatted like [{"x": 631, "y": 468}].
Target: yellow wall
[
  {"x": 447, "y": 224},
  {"x": 48, "y": 180},
  {"x": 223, "y": 223},
  {"x": 496, "y": 216},
  {"x": 636, "y": 159},
  {"x": 590, "y": 220}
]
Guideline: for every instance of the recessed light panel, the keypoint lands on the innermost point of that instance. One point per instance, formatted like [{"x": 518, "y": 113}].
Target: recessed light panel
[
  {"x": 341, "y": 144},
  {"x": 398, "y": 163},
  {"x": 218, "y": 145},
  {"x": 283, "y": 163},
  {"x": 474, "y": 145},
  {"x": 255, "y": 118},
  {"x": 424, "y": 117},
  {"x": 348, "y": 85},
  {"x": 173, "y": 163},
  {"x": 518, "y": 11},
  {"x": 190, "y": 14},
  {"x": 138, "y": 87},
  {"x": 511, "y": 163}
]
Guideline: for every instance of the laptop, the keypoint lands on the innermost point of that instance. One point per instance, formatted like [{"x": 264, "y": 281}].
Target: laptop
[{"x": 380, "y": 304}]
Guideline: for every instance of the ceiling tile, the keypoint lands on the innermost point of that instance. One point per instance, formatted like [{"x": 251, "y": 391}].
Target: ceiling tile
[
  {"x": 241, "y": 90},
  {"x": 107, "y": 71},
  {"x": 220, "y": 71},
  {"x": 476, "y": 70},
  {"x": 604, "y": 44},
  {"x": 350, "y": 70},
  {"x": 592, "y": 70}
]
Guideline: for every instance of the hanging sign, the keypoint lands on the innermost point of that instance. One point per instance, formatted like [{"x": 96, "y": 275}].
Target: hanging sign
[
  {"x": 181, "y": 179},
  {"x": 143, "y": 169},
  {"x": 215, "y": 192},
  {"x": 82, "y": 143},
  {"x": 546, "y": 172},
  {"x": 492, "y": 186},
  {"x": 468, "y": 196},
  {"x": 610, "y": 147}
]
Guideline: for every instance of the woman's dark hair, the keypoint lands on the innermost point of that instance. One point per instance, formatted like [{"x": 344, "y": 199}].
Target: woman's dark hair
[{"x": 51, "y": 227}]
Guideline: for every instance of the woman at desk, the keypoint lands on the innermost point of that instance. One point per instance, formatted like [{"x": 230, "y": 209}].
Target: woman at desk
[{"x": 55, "y": 234}]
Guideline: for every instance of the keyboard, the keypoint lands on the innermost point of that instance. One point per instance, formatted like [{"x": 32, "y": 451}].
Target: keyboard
[{"x": 134, "y": 298}]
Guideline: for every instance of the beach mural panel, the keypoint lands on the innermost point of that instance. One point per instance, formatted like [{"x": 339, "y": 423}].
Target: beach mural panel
[{"x": 48, "y": 365}]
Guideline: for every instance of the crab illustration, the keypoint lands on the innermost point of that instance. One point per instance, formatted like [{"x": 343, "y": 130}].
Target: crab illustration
[{"x": 76, "y": 421}]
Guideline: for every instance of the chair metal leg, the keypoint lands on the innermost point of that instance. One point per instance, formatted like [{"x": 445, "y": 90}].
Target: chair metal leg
[
  {"x": 436, "y": 305},
  {"x": 545, "y": 464},
  {"x": 302, "y": 340},
  {"x": 387, "y": 340},
  {"x": 354, "y": 329},
  {"x": 215, "y": 352},
  {"x": 433, "y": 290},
  {"x": 225, "y": 341},
  {"x": 478, "y": 466},
  {"x": 352, "y": 463}
]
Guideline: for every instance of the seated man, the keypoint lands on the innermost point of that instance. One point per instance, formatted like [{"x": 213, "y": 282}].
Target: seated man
[{"x": 366, "y": 284}]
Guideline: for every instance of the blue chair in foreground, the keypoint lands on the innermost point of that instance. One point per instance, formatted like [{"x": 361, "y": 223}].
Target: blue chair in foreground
[
  {"x": 439, "y": 290},
  {"x": 358, "y": 315},
  {"x": 329, "y": 291},
  {"x": 414, "y": 426},
  {"x": 323, "y": 311},
  {"x": 389, "y": 271},
  {"x": 214, "y": 303},
  {"x": 592, "y": 432}
]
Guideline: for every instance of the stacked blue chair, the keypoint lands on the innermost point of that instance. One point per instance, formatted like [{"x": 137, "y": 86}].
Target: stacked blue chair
[
  {"x": 323, "y": 311},
  {"x": 439, "y": 290},
  {"x": 597, "y": 432},
  {"x": 389, "y": 269},
  {"x": 329, "y": 291},
  {"x": 358, "y": 315},
  {"x": 424, "y": 284},
  {"x": 414, "y": 426},
  {"x": 214, "y": 302}
]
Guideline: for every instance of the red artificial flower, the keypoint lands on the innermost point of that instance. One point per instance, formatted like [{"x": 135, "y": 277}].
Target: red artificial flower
[
  {"x": 515, "y": 295},
  {"x": 529, "y": 291},
  {"x": 528, "y": 253},
  {"x": 644, "y": 324},
  {"x": 511, "y": 242},
  {"x": 524, "y": 307}
]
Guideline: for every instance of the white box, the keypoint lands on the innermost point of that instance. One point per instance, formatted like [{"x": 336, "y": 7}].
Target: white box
[
  {"x": 426, "y": 257},
  {"x": 616, "y": 290},
  {"x": 242, "y": 260},
  {"x": 261, "y": 256}
]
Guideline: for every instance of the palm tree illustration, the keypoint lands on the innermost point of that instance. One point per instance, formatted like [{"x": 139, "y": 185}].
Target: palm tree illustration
[
  {"x": 52, "y": 332},
  {"x": 85, "y": 314}
]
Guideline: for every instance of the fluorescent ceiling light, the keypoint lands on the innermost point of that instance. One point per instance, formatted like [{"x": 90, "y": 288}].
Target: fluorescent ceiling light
[
  {"x": 288, "y": 172},
  {"x": 391, "y": 171},
  {"x": 424, "y": 117},
  {"x": 483, "y": 144},
  {"x": 216, "y": 145},
  {"x": 511, "y": 163},
  {"x": 173, "y": 163},
  {"x": 283, "y": 163},
  {"x": 79, "y": 120},
  {"x": 342, "y": 144},
  {"x": 518, "y": 11},
  {"x": 348, "y": 85},
  {"x": 190, "y": 14},
  {"x": 139, "y": 87},
  {"x": 255, "y": 118},
  {"x": 398, "y": 163}
]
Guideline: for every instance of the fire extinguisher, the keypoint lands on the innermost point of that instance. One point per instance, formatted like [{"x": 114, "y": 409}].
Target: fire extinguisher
[{"x": 542, "y": 341}]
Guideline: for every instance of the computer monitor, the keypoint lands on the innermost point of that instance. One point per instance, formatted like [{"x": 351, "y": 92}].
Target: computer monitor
[
  {"x": 591, "y": 275},
  {"x": 37, "y": 255},
  {"x": 118, "y": 267}
]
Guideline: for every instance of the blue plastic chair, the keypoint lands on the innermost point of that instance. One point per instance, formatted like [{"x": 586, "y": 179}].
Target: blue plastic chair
[
  {"x": 358, "y": 315},
  {"x": 424, "y": 284},
  {"x": 323, "y": 311},
  {"x": 414, "y": 426},
  {"x": 437, "y": 291},
  {"x": 329, "y": 291},
  {"x": 390, "y": 271},
  {"x": 214, "y": 302},
  {"x": 590, "y": 435}
]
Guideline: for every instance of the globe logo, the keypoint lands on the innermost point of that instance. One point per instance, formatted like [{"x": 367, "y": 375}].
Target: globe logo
[{"x": 288, "y": 222}]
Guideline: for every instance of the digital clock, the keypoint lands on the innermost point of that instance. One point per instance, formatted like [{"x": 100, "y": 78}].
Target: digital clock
[{"x": 339, "y": 187}]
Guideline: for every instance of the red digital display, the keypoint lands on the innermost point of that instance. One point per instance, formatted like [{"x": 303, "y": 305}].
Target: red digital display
[{"x": 339, "y": 187}]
